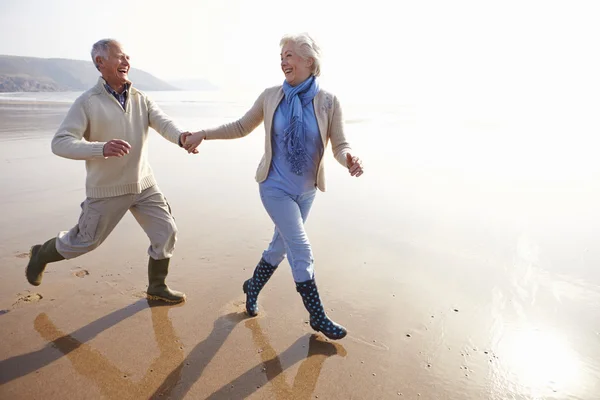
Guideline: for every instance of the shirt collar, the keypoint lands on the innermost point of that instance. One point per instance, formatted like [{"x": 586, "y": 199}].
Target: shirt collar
[{"x": 114, "y": 92}]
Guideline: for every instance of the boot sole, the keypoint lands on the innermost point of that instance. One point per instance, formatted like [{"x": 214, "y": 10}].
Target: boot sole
[
  {"x": 330, "y": 337},
  {"x": 154, "y": 297},
  {"x": 27, "y": 268}
]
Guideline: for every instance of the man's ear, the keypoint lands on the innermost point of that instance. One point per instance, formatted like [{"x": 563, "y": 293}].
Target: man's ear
[{"x": 99, "y": 61}]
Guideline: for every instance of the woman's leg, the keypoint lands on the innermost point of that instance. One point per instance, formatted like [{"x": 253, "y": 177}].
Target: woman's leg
[
  {"x": 277, "y": 250},
  {"x": 276, "y": 202},
  {"x": 289, "y": 213},
  {"x": 275, "y": 253}
]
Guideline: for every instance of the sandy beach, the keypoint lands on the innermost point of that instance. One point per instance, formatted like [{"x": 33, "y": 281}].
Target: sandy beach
[{"x": 452, "y": 286}]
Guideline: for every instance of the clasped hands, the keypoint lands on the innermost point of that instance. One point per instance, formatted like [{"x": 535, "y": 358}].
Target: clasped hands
[{"x": 191, "y": 141}]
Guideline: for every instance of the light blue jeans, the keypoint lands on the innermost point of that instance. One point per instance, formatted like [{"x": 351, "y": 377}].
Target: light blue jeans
[{"x": 289, "y": 213}]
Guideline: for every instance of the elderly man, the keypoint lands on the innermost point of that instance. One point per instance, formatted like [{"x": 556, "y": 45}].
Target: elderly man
[{"x": 107, "y": 126}]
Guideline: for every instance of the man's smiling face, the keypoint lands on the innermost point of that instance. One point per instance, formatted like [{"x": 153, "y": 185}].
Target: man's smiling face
[{"x": 115, "y": 69}]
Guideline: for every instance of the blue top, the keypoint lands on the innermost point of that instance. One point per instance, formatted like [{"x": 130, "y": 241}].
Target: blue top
[
  {"x": 280, "y": 173},
  {"x": 121, "y": 97}
]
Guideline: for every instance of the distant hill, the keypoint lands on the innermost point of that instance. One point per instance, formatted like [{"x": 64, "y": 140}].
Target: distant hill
[
  {"x": 30, "y": 74},
  {"x": 193, "y": 84}
]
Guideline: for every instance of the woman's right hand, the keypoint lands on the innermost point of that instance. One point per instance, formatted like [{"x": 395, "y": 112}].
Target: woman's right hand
[{"x": 192, "y": 140}]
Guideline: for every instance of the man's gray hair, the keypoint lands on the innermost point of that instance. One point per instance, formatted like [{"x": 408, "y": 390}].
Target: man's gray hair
[
  {"x": 306, "y": 48},
  {"x": 101, "y": 48}
]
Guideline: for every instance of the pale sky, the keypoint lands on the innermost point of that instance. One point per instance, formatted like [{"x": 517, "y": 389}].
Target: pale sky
[{"x": 528, "y": 55}]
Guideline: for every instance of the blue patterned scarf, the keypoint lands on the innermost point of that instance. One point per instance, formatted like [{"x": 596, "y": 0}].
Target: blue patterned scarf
[{"x": 293, "y": 136}]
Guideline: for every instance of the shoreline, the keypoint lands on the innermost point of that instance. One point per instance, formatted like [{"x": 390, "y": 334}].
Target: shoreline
[{"x": 32, "y": 102}]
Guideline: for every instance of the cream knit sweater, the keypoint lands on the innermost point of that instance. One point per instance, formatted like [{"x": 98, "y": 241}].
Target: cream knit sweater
[
  {"x": 97, "y": 117},
  {"x": 329, "y": 119}
]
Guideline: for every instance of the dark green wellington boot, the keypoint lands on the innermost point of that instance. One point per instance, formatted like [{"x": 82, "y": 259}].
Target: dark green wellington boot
[
  {"x": 157, "y": 288},
  {"x": 253, "y": 286},
  {"x": 39, "y": 256},
  {"x": 318, "y": 319}
]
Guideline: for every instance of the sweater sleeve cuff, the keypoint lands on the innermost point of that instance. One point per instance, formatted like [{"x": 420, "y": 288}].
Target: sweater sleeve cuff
[
  {"x": 174, "y": 135},
  {"x": 98, "y": 149}
]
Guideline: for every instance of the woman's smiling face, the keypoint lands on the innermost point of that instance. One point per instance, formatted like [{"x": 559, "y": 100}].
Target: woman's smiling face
[{"x": 295, "y": 68}]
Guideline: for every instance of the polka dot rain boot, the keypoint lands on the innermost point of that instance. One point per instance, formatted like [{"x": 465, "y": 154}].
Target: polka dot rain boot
[
  {"x": 253, "y": 286},
  {"x": 318, "y": 319}
]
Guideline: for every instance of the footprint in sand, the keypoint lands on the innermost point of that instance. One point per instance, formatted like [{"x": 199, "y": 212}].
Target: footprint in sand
[
  {"x": 238, "y": 307},
  {"x": 139, "y": 295},
  {"x": 22, "y": 255},
  {"x": 239, "y": 303},
  {"x": 28, "y": 298},
  {"x": 81, "y": 273}
]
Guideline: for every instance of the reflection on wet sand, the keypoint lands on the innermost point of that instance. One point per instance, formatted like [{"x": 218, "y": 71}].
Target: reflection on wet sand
[
  {"x": 306, "y": 379},
  {"x": 19, "y": 366},
  {"x": 537, "y": 362},
  {"x": 536, "y": 358},
  {"x": 309, "y": 371},
  {"x": 197, "y": 360},
  {"x": 111, "y": 381}
]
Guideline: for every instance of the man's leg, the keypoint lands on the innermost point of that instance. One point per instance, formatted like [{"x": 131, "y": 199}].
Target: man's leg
[
  {"x": 41, "y": 255},
  {"x": 97, "y": 220},
  {"x": 153, "y": 213}
]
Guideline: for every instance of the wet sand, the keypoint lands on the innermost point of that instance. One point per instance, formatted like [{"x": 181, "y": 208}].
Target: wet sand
[{"x": 448, "y": 291}]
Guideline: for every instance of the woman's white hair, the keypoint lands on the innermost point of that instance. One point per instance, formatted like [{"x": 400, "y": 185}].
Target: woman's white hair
[
  {"x": 101, "y": 48},
  {"x": 306, "y": 48}
]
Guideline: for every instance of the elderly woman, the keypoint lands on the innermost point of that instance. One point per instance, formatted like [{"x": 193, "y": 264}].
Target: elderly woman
[{"x": 300, "y": 119}]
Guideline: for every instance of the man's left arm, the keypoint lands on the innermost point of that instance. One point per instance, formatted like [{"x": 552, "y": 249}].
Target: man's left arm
[{"x": 161, "y": 123}]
